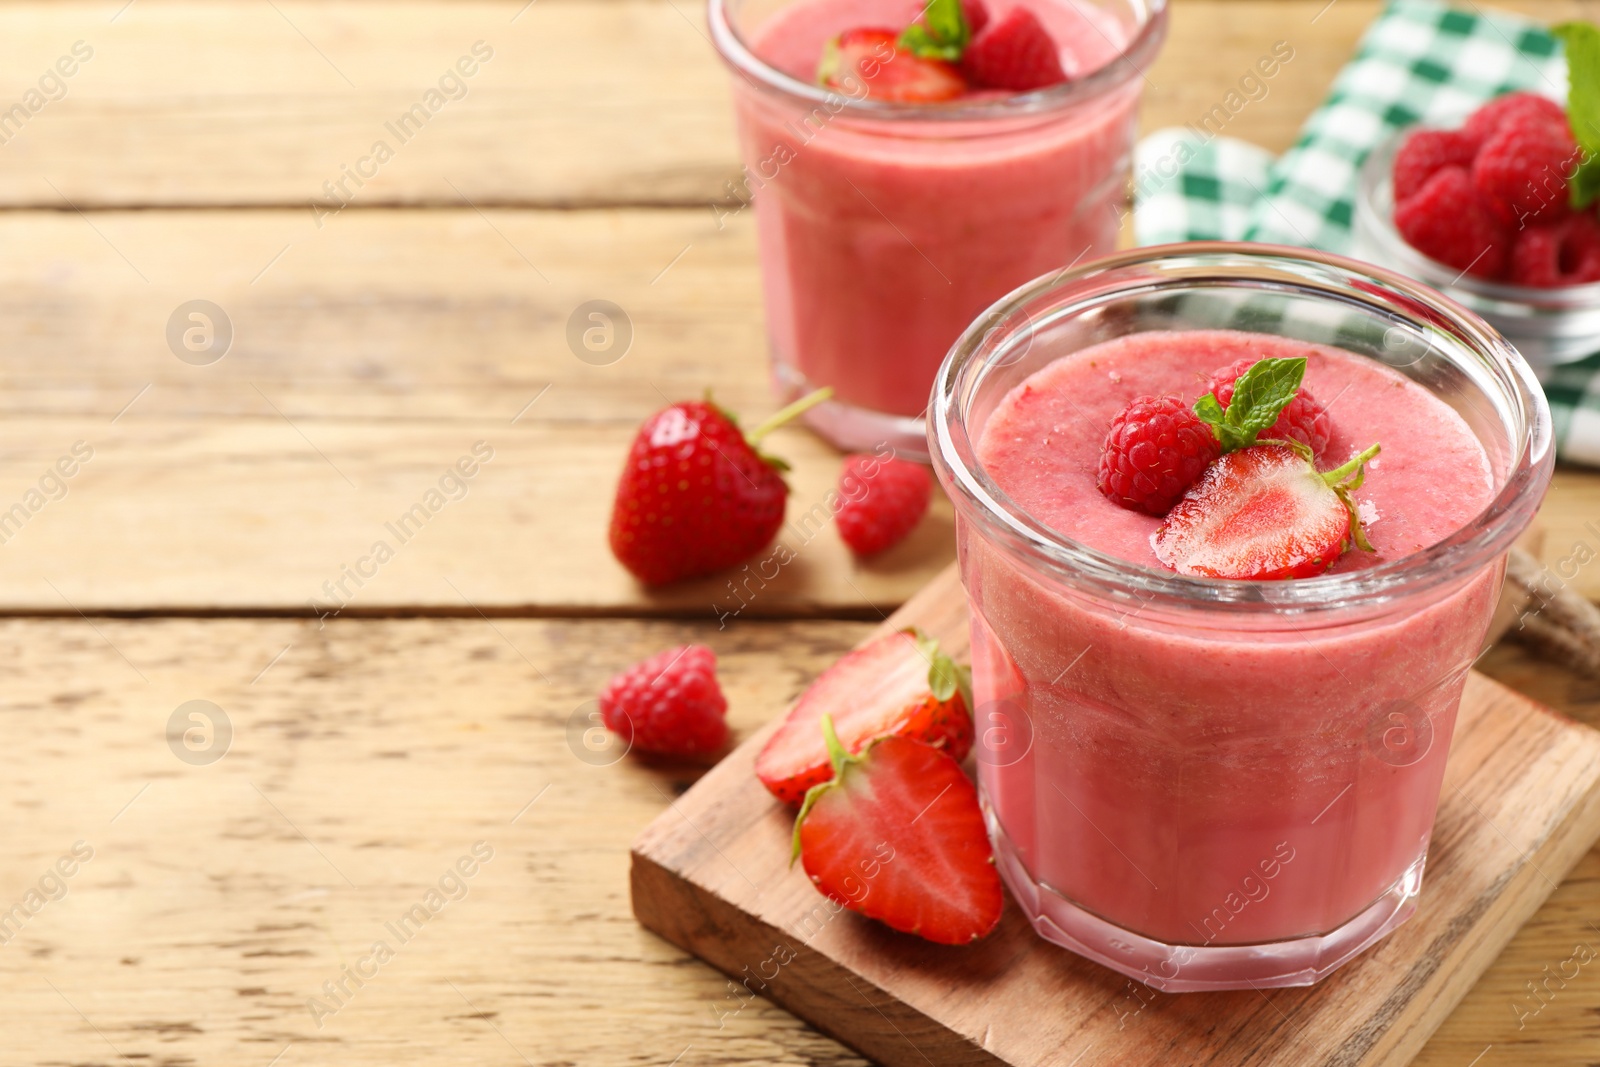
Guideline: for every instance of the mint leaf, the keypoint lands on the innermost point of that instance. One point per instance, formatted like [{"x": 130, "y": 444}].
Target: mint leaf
[
  {"x": 1584, "y": 185},
  {"x": 942, "y": 33},
  {"x": 1209, "y": 408},
  {"x": 1259, "y": 395},
  {"x": 1582, "y": 42}
]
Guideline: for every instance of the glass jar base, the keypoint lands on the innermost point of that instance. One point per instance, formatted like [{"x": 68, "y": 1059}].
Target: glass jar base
[
  {"x": 1201, "y": 968},
  {"x": 850, "y": 428}
]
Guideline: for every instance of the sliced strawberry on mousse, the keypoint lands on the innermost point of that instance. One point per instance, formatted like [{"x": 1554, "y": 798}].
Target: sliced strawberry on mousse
[
  {"x": 1159, "y": 447},
  {"x": 1264, "y": 513},
  {"x": 951, "y": 47},
  {"x": 900, "y": 684},
  {"x": 871, "y": 58},
  {"x": 898, "y": 836}
]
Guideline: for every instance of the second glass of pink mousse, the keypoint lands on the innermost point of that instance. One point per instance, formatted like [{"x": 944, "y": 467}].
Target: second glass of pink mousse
[{"x": 886, "y": 228}]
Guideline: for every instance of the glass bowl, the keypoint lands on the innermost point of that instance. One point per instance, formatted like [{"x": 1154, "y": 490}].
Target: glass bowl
[{"x": 1548, "y": 326}]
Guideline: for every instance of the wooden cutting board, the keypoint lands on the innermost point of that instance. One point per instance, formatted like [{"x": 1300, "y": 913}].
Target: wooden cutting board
[{"x": 1520, "y": 805}]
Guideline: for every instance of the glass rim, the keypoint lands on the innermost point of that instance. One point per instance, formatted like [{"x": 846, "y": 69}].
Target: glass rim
[
  {"x": 1128, "y": 64},
  {"x": 1041, "y": 548},
  {"x": 1375, "y": 177}
]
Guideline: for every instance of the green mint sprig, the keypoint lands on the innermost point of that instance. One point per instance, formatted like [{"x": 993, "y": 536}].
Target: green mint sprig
[
  {"x": 942, "y": 33},
  {"x": 1259, "y": 395},
  {"x": 1582, "y": 40}
]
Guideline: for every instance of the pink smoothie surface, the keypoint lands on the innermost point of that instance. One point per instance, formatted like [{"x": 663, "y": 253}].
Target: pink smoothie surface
[
  {"x": 1042, "y": 445},
  {"x": 882, "y": 239},
  {"x": 1188, "y": 777}
]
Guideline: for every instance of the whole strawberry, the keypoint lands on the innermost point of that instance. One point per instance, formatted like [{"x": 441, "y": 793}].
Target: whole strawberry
[
  {"x": 881, "y": 501},
  {"x": 669, "y": 704},
  {"x": 696, "y": 496}
]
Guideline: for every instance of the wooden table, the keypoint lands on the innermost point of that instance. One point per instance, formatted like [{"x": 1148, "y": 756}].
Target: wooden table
[{"x": 229, "y": 507}]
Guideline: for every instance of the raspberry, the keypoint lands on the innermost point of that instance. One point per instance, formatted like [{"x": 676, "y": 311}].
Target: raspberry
[
  {"x": 977, "y": 15},
  {"x": 1512, "y": 109},
  {"x": 1156, "y": 449},
  {"x": 1423, "y": 153},
  {"x": 1558, "y": 253},
  {"x": 1445, "y": 220},
  {"x": 1015, "y": 53},
  {"x": 883, "y": 500},
  {"x": 1521, "y": 172},
  {"x": 1303, "y": 419},
  {"x": 669, "y": 703}
]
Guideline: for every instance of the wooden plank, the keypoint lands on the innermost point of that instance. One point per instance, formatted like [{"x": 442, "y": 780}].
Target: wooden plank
[
  {"x": 397, "y": 315},
  {"x": 1520, "y": 806},
  {"x": 220, "y": 515},
  {"x": 205, "y": 921},
  {"x": 380, "y": 351},
  {"x": 364, "y": 762},
  {"x": 1555, "y": 1022},
  {"x": 363, "y": 365},
  {"x": 189, "y": 103}
]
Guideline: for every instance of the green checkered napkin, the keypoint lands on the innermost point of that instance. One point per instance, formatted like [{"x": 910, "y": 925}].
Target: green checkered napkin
[{"x": 1420, "y": 61}]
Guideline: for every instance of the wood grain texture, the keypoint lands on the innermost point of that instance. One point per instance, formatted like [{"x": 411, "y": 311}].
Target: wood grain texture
[
  {"x": 365, "y": 761},
  {"x": 1519, "y": 807},
  {"x": 380, "y": 353},
  {"x": 583, "y": 103},
  {"x": 363, "y": 365},
  {"x": 205, "y": 921}
]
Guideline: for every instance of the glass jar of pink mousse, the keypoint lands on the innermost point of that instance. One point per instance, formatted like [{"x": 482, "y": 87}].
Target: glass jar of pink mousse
[
  {"x": 885, "y": 228},
  {"x": 1208, "y": 784}
]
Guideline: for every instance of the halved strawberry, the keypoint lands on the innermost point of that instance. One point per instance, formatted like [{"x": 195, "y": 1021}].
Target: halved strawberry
[
  {"x": 1264, "y": 513},
  {"x": 899, "y": 684},
  {"x": 898, "y": 836},
  {"x": 870, "y": 58}
]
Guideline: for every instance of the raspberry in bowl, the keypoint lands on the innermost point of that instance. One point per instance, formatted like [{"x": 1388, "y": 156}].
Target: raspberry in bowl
[
  {"x": 1200, "y": 782},
  {"x": 910, "y": 162},
  {"x": 1483, "y": 212}
]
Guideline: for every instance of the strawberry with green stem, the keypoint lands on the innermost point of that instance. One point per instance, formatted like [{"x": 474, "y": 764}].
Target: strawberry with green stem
[
  {"x": 951, "y": 47},
  {"x": 898, "y": 836},
  {"x": 697, "y": 495},
  {"x": 901, "y": 683},
  {"x": 1263, "y": 511}
]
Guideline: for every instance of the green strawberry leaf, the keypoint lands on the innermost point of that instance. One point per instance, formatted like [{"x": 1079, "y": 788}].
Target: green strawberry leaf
[
  {"x": 943, "y": 32},
  {"x": 946, "y": 677},
  {"x": 1582, "y": 40},
  {"x": 1259, "y": 396},
  {"x": 1345, "y": 480},
  {"x": 840, "y": 760}
]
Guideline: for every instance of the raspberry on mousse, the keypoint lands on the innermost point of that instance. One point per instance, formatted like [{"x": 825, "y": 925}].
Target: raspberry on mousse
[{"x": 1235, "y": 477}]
